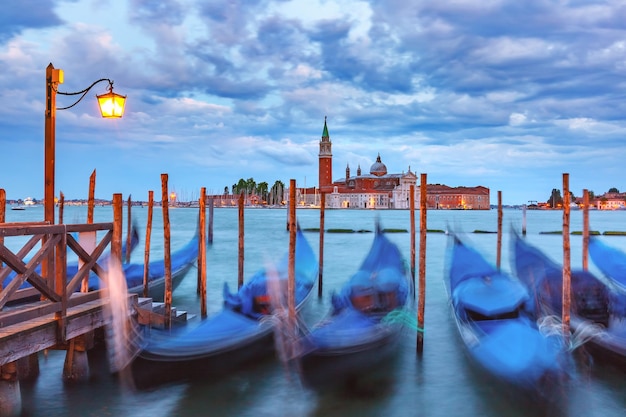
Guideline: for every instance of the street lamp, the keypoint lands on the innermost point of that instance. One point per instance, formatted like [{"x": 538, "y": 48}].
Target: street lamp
[{"x": 111, "y": 106}]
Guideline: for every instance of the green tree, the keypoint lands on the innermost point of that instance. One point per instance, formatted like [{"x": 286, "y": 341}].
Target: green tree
[
  {"x": 555, "y": 198},
  {"x": 276, "y": 193},
  {"x": 226, "y": 190},
  {"x": 241, "y": 186},
  {"x": 613, "y": 190},
  {"x": 262, "y": 189},
  {"x": 250, "y": 186}
]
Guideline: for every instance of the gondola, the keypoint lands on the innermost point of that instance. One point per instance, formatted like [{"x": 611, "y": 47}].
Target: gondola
[
  {"x": 490, "y": 309},
  {"x": 363, "y": 328},
  {"x": 181, "y": 262},
  {"x": 611, "y": 262},
  {"x": 242, "y": 332},
  {"x": 592, "y": 301}
]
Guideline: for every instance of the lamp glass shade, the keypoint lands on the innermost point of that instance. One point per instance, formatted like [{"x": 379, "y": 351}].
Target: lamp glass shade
[{"x": 111, "y": 105}]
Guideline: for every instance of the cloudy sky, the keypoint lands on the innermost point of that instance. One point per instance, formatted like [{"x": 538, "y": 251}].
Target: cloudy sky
[{"x": 505, "y": 94}]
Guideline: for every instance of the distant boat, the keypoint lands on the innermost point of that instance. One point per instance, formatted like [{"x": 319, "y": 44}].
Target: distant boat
[
  {"x": 18, "y": 208},
  {"x": 28, "y": 201}
]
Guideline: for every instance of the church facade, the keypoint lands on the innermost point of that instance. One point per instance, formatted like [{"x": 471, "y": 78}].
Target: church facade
[{"x": 378, "y": 189}]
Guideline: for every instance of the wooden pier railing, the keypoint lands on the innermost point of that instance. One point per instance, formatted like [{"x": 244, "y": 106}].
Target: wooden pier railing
[{"x": 62, "y": 312}]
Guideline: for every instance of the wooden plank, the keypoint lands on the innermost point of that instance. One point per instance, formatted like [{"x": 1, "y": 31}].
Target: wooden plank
[
  {"x": 32, "y": 336},
  {"x": 23, "y": 229}
]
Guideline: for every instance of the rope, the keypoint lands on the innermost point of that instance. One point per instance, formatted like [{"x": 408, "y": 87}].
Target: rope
[
  {"x": 552, "y": 326},
  {"x": 404, "y": 318}
]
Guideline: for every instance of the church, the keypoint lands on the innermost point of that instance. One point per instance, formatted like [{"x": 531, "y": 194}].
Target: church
[{"x": 378, "y": 189}]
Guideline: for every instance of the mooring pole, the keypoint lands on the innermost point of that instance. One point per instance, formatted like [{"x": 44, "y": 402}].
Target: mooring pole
[
  {"x": 585, "y": 229},
  {"x": 421, "y": 302},
  {"x": 128, "y": 229},
  {"x": 413, "y": 231},
  {"x": 567, "y": 273},
  {"x": 291, "y": 284},
  {"x": 202, "y": 254},
  {"x": 146, "y": 253},
  {"x": 499, "y": 243},
  {"x": 241, "y": 237},
  {"x": 166, "y": 249},
  {"x": 321, "y": 267},
  {"x": 211, "y": 204},
  {"x": 524, "y": 220},
  {"x": 61, "y": 206}
]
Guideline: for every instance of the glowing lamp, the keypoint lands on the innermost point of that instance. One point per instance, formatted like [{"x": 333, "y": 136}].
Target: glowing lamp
[{"x": 111, "y": 104}]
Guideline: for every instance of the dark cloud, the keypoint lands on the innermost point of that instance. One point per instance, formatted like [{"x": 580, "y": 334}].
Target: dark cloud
[{"x": 13, "y": 19}]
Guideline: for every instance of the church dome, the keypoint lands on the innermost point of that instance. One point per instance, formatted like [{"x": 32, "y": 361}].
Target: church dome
[{"x": 378, "y": 168}]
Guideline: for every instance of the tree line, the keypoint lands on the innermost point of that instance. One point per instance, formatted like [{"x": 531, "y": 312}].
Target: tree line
[
  {"x": 269, "y": 196},
  {"x": 556, "y": 199}
]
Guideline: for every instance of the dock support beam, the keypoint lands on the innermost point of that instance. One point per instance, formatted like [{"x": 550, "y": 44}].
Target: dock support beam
[
  {"x": 76, "y": 366},
  {"x": 10, "y": 394},
  {"x": 28, "y": 367}
]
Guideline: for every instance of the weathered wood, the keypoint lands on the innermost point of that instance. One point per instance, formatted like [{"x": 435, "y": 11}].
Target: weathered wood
[
  {"x": 412, "y": 222},
  {"x": 32, "y": 242},
  {"x": 27, "y": 271},
  {"x": 91, "y": 198},
  {"x": 166, "y": 248},
  {"x": 421, "y": 301},
  {"x": 146, "y": 253},
  {"x": 202, "y": 254},
  {"x": 32, "y": 336},
  {"x": 89, "y": 262},
  {"x": 585, "y": 254},
  {"x": 211, "y": 204},
  {"x": 320, "y": 279},
  {"x": 128, "y": 230},
  {"x": 567, "y": 273},
  {"x": 61, "y": 206},
  {"x": 291, "y": 260},
  {"x": 240, "y": 243}
]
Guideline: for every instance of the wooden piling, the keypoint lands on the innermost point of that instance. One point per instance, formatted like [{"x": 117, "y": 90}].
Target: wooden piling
[
  {"x": 585, "y": 229},
  {"x": 211, "y": 204},
  {"x": 91, "y": 198},
  {"x": 566, "y": 261},
  {"x": 146, "y": 254},
  {"x": 240, "y": 245},
  {"x": 320, "y": 279},
  {"x": 88, "y": 239},
  {"x": 413, "y": 231},
  {"x": 202, "y": 254},
  {"x": 116, "y": 241},
  {"x": 128, "y": 229},
  {"x": 10, "y": 394},
  {"x": 167, "y": 296},
  {"x": 499, "y": 244},
  {"x": 291, "y": 283},
  {"x": 421, "y": 302},
  {"x": 524, "y": 220},
  {"x": 61, "y": 206}
]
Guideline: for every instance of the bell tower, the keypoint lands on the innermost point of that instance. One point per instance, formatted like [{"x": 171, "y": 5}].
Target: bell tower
[{"x": 325, "y": 161}]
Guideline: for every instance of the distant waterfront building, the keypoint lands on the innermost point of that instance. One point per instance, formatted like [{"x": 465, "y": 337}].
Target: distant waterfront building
[{"x": 379, "y": 189}]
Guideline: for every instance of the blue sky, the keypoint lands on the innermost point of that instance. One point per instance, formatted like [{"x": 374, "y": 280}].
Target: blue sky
[{"x": 505, "y": 94}]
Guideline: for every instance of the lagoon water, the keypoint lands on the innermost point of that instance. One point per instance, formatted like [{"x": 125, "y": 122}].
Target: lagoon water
[{"x": 439, "y": 383}]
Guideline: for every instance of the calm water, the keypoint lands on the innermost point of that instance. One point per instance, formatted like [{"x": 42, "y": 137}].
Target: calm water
[{"x": 440, "y": 383}]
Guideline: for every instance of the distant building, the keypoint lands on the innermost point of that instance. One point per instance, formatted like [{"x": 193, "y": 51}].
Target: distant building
[{"x": 378, "y": 189}]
